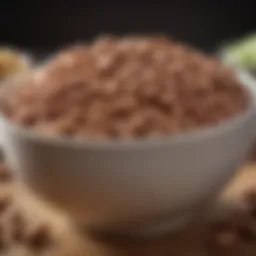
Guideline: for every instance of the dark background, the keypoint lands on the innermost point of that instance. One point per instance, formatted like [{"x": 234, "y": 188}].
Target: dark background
[{"x": 42, "y": 26}]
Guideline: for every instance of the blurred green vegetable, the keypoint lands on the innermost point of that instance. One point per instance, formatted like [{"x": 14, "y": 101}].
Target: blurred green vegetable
[{"x": 242, "y": 53}]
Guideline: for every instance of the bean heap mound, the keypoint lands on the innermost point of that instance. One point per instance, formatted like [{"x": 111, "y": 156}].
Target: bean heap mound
[{"x": 126, "y": 87}]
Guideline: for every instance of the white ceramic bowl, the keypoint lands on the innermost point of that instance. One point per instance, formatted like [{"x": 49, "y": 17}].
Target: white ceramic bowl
[{"x": 137, "y": 186}]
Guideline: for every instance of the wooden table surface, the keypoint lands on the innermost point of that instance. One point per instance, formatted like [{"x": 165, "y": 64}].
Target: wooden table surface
[{"x": 228, "y": 228}]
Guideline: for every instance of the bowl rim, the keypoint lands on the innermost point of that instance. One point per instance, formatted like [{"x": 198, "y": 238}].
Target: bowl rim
[{"x": 173, "y": 139}]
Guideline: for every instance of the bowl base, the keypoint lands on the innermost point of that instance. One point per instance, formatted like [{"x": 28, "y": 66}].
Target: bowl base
[{"x": 151, "y": 231}]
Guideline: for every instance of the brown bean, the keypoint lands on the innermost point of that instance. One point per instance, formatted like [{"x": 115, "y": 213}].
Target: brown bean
[{"x": 108, "y": 88}]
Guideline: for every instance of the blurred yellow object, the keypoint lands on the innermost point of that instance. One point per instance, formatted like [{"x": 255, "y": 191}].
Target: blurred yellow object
[{"x": 12, "y": 62}]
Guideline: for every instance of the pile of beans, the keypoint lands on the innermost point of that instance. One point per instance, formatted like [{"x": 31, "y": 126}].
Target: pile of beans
[{"x": 128, "y": 87}]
